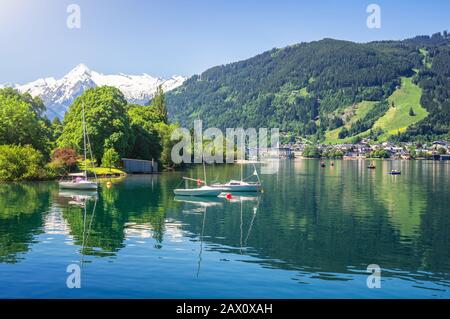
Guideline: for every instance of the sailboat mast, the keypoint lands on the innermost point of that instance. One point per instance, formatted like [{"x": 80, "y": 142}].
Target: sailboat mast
[
  {"x": 204, "y": 172},
  {"x": 84, "y": 143},
  {"x": 242, "y": 168}
]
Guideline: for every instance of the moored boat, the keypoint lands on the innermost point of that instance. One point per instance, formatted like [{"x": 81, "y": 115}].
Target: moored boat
[
  {"x": 80, "y": 181},
  {"x": 204, "y": 190},
  {"x": 241, "y": 185}
]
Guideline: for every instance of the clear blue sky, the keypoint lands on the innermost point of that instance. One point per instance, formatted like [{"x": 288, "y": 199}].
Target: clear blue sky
[{"x": 186, "y": 37}]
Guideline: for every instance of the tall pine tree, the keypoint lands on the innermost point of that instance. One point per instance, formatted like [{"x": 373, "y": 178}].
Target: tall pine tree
[{"x": 159, "y": 102}]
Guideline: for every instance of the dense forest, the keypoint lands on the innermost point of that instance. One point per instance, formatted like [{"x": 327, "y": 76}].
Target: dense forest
[{"x": 300, "y": 88}]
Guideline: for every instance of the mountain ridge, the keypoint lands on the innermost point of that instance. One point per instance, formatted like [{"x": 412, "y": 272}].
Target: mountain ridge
[
  {"x": 303, "y": 88},
  {"x": 58, "y": 94}
]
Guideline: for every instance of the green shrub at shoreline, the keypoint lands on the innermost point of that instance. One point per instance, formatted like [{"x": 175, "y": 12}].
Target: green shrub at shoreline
[{"x": 19, "y": 163}]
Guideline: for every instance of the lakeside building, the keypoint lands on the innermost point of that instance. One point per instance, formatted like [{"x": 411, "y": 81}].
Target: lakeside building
[
  {"x": 138, "y": 166},
  {"x": 358, "y": 150}
]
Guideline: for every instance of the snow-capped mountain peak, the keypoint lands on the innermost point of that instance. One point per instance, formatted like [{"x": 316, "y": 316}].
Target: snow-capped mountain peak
[
  {"x": 80, "y": 71},
  {"x": 58, "y": 94}
]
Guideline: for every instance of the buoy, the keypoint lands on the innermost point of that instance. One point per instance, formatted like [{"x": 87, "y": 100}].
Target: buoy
[
  {"x": 229, "y": 196},
  {"x": 108, "y": 184}
]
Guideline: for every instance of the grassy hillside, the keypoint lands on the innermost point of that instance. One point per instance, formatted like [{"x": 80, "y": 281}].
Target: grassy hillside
[
  {"x": 397, "y": 118},
  {"x": 351, "y": 114}
]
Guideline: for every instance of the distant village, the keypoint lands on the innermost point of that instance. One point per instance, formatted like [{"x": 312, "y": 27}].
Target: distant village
[{"x": 437, "y": 150}]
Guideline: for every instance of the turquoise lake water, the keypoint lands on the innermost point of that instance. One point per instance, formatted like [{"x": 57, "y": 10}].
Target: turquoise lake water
[{"x": 310, "y": 234}]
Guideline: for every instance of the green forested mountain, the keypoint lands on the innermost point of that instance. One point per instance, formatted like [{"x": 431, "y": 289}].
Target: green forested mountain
[{"x": 308, "y": 89}]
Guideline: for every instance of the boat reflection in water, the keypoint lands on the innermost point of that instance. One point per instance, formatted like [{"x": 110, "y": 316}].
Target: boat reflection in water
[
  {"x": 77, "y": 197},
  {"x": 199, "y": 205},
  {"x": 242, "y": 197},
  {"x": 245, "y": 197},
  {"x": 81, "y": 198}
]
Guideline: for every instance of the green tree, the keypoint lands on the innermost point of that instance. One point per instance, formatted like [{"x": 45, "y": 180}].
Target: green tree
[
  {"x": 442, "y": 151},
  {"x": 147, "y": 143},
  {"x": 159, "y": 102},
  {"x": 165, "y": 132},
  {"x": 56, "y": 128},
  {"x": 110, "y": 159},
  {"x": 311, "y": 151},
  {"x": 107, "y": 122},
  {"x": 22, "y": 121},
  {"x": 379, "y": 154},
  {"x": 21, "y": 163},
  {"x": 62, "y": 160},
  {"x": 343, "y": 133}
]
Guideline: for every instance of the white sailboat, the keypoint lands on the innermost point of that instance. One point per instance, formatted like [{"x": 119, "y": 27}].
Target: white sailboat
[
  {"x": 242, "y": 185},
  {"x": 80, "y": 180},
  {"x": 204, "y": 190},
  {"x": 201, "y": 191}
]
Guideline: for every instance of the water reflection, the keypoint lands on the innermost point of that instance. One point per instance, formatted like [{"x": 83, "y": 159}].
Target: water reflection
[
  {"x": 21, "y": 217},
  {"x": 325, "y": 224}
]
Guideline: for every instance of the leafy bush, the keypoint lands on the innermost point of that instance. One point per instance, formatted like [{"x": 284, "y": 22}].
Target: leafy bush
[
  {"x": 62, "y": 160},
  {"x": 333, "y": 153},
  {"x": 65, "y": 156},
  {"x": 21, "y": 163},
  {"x": 379, "y": 154}
]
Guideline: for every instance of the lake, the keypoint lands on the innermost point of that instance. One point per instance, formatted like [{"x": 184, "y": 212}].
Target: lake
[{"x": 311, "y": 233}]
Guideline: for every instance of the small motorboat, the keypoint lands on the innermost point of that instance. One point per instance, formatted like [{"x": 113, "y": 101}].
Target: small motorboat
[
  {"x": 394, "y": 172},
  {"x": 322, "y": 164},
  {"x": 371, "y": 166}
]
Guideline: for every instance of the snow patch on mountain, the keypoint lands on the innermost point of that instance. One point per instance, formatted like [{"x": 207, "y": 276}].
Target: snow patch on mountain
[{"x": 58, "y": 94}]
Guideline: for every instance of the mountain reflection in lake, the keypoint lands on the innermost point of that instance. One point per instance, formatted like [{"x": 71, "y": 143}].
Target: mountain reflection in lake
[{"x": 310, "y": 234}]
